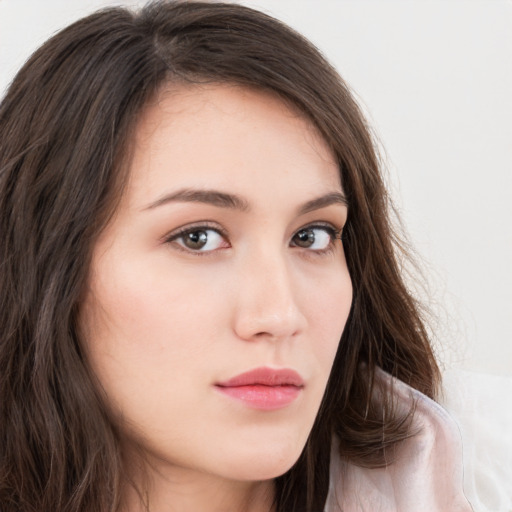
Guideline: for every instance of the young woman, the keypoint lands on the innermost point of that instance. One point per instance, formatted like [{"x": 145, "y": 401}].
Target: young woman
[{"x": 202, "y": 306}]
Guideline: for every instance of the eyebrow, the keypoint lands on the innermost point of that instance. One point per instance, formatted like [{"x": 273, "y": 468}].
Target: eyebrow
[
  {"x": 213, "y": 197},
  {"x": 231, "y": 201},
  {"x": 323, "y": 202}
]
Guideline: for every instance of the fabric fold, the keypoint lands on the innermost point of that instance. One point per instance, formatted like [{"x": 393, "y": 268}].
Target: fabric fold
[{"x": 426, "y": 475}]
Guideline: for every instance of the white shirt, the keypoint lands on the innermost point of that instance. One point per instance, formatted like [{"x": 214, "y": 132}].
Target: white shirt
[{"x": 427, "y": 473}]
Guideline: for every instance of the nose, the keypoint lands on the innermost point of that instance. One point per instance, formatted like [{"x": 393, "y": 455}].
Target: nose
[{"x": 267, "y": 305}]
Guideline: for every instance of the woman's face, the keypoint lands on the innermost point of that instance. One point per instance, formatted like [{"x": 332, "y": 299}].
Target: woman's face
[{"x": 223, "y": 258}]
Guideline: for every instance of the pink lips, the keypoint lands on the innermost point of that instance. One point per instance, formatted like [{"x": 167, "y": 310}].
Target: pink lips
[{"x": 264, "y": 388}]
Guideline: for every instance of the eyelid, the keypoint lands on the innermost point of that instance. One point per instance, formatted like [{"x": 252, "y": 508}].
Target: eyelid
[
  {"x": 195, "y": 226},
  {"x": 328, "y": 226},
  {"x": 334, "y": 232}
]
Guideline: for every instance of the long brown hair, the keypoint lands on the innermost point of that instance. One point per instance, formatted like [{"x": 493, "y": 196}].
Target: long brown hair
[{"x": 65, "y": 131}]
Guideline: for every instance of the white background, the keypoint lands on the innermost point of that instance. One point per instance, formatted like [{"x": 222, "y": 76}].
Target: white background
[{"x": 435, "y": 78}]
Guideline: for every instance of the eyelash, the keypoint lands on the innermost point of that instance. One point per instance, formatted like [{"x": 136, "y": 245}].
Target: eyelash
[{"x": 333, "y": 232}]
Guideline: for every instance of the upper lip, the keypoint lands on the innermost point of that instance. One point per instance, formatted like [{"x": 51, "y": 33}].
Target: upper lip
[{"x": 265, "y": 377}]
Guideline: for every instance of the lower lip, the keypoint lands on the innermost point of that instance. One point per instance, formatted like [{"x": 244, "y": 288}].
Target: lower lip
[{"x": 267, "y": 398}]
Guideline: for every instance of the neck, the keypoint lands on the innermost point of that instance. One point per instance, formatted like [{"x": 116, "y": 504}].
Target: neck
[{"x": 181, "y": 490}]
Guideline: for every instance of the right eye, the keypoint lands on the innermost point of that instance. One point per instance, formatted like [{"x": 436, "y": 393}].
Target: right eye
[{"x": 199, "y": 239}]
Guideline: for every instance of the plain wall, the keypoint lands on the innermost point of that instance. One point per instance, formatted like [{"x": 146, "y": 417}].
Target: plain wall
[{"x": 435, "y": 78}]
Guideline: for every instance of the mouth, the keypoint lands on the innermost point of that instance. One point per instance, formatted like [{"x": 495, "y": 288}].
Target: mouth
[{"x": 264, "y": 388}]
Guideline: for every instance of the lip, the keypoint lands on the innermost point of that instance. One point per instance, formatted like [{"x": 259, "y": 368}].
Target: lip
[{"x": 264, "y": 388}]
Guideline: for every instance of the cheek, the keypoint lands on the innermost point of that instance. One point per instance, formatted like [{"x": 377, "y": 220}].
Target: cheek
[
  {"x": 147, "y": 348},
  {"x": 329, "y": 310},
  {"x": 136, "y": 333},
  {"x": 143, "y": 311},
  {"x": 153, "y": 337}
]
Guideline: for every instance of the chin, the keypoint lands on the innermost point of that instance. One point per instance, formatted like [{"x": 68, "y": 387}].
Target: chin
[{"x": 264, "y": 464}]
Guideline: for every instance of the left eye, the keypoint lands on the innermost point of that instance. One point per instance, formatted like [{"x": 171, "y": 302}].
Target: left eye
[{"x": 316, "y": 238}]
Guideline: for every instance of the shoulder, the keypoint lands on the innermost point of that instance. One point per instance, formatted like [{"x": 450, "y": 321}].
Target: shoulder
[{"x": 426, "y": 475}]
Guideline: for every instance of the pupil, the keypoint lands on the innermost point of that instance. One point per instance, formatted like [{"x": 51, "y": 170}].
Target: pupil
[
  {"x": 196, "y": 239},
  {"x": 305, "y": 238}
]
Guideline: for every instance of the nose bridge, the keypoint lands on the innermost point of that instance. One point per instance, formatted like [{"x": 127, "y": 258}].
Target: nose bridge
[{"x": 267, "y": 304}]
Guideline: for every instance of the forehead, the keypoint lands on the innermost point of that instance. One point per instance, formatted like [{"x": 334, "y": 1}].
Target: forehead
[{"x": 224, "y": 136}]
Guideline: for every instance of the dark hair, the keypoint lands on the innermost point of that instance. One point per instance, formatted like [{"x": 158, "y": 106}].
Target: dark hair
[{"x": 65, "y": 129}]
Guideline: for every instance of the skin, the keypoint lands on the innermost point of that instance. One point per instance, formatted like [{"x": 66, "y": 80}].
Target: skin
[{"x": 164, "y": 322}]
